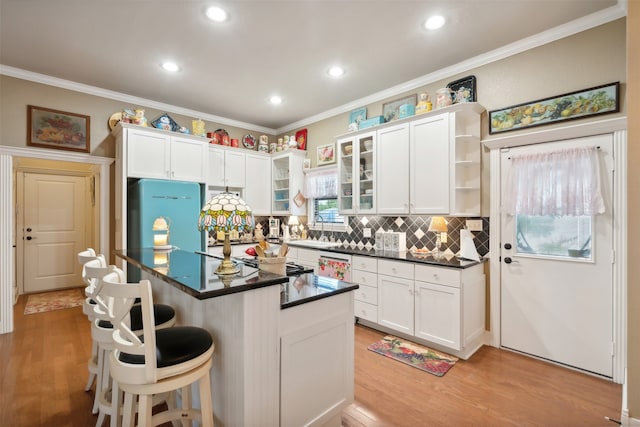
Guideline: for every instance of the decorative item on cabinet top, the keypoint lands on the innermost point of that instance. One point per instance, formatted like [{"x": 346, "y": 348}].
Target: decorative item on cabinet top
[
  {"x": 165, "y": 122},
  {"x": 391, "y": 110},
  {"x": 301, "y": 139},
  {"x": 464, "y": 89},
  {"x": 357, "y": 116}
]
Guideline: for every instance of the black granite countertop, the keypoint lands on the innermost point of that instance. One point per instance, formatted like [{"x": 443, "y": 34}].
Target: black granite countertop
[
  {"x": 309, "y": 287},
  {"x": 441, "y": 261},
  {"x": 194, "y": 274}
]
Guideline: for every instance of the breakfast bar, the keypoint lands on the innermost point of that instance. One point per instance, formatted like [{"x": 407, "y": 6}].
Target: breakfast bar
[{"x": 278, "y": 339}]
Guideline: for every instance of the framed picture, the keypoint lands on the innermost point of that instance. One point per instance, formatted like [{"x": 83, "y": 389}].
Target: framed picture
[
  {"x": 306, "y": 164},
  {"x": 326, "y": 154},
  {"x": 390, "y": 109},
  {"x": 463, "y": 90},
  {"x": 356, "y": 116},
  {"x": 594, "y": 101},
  {"x": 49, "y": 128}
]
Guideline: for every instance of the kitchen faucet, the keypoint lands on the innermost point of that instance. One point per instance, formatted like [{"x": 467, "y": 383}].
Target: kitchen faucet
[{"x": 323, "y": 238}]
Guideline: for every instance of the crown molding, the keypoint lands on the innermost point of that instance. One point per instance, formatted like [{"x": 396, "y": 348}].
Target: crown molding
[
  {"x": 129, "y": 99},
  {"x": 582, "y": 24}
]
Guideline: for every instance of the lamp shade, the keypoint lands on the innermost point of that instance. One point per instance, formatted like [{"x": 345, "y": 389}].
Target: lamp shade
[
  {"x": 438, "y": 224},
  {"x": 160, "y": 224},
  {"x": 226, "y": 212},
  {"x": 293, "y": 220}
]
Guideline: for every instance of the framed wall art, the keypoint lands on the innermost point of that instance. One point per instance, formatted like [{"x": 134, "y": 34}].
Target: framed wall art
[
  {"x": 326, "y": 154},
  {"x": 463, "y": 90},
  {"x": 390, "y": 110},
  {"x": 47, "y": 128},
  {"x": 594, "y": 101}
]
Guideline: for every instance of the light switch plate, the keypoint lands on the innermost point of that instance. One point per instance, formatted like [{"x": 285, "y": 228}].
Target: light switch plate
[
  {"x": 443, "y": 237},
  {"x": 474, "y": 224},
  {"x": 366, "y": 232}
]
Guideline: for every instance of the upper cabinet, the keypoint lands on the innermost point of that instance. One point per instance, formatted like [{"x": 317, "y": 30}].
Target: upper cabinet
[
  {"x": 257, "y": 190},
  {"x": 287, "y": 180},
  {"x": 427, "y": 164},
  {"x": 357, "y": 173},
  {"x": 226, "y": 167},
  {"x": 153, "y": 153}
]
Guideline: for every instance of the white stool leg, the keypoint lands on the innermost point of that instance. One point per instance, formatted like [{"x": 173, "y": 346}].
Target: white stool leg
[
  {"x": 100, "y": 369},
  {"x": 144, "y": 410},
  {"x": 116, "y": 400},
  {"x": 128, "y": 410},
  {"x": 186, "y": 404},
  {"x": 206, "y": 406},
  {"x": 92, "y": 366}
]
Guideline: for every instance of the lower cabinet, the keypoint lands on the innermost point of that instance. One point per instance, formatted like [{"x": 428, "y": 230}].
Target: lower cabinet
[
  {"x": 364, "y": 273},
  {"x": 305, "y": 257},
  {"x": 444, "y": 307}
]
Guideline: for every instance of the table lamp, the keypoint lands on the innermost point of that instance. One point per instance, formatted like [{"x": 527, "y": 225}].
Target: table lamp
[
  {"x": 226, "y": 212},
  {"x": 293, "y": 224},
  {"x": 161, "y": 233},
  {"x": 438, "y": 225}
]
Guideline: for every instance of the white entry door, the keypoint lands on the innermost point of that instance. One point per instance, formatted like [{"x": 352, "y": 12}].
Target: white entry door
[
  {"x": 557, "y": 275},
  {"x": 54, "y": 231}
]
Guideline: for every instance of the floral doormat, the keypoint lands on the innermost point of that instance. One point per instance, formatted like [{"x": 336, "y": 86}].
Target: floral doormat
[
  {"x": 415, "y": 355},
  {"x": 48, "y": 301}
]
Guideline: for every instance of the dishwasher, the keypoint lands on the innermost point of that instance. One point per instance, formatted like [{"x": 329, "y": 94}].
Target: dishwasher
[{"x": 335, "y": 266}]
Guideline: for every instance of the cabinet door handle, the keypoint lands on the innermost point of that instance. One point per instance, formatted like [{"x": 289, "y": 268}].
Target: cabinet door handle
[{"x": 394, "y": 270}]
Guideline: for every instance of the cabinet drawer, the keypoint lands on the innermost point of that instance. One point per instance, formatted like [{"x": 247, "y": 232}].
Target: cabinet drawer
[
  {"x": 366, "y": 311},
  {"x": 364, "y": 263},
  {"x": 364, "y": 278},
  {"x": 395, "y": 268},
  {"x": 308, "y": 255},
  {"x": 366, "y": 294},
  {"x": 439, "y": 275}
]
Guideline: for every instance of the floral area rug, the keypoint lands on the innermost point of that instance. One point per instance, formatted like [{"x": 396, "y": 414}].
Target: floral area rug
[
  {"x": 48, "y": 301},
  {"x": 415, "y": 355}
]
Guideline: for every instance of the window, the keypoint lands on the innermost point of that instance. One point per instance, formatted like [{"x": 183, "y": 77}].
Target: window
[
  {"x": 327, "y": 209},
  {"x": 556, "y": 236}
]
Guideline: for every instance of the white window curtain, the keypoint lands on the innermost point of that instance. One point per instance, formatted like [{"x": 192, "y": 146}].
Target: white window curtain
[
  {"x": 557, "y": 183},
  {"x": 321, "y": 183}
]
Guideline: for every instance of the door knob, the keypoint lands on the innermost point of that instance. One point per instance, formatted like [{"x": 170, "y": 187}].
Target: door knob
[
  {"x": 508, "y": 260},
  {"x": 507, "y": 245},
  {"x": 29, "y": 237},
  {"x": 29, "y": 229}
]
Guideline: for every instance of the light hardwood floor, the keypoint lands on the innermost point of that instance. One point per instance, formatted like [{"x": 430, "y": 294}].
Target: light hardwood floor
[{"x": 43, "y": 373}]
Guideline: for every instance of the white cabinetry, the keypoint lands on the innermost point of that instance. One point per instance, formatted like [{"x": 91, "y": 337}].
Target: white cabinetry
[
  {"x": 392, "y": 170},
  {"x": 364, "y": 273},
  {"x": 430, "y": 165},
  {"x": 450, "y": 306},
  {"x": 305, "y": 257},
  {"x": 257, "y": 189},
  {"x": 226, "y": 167},
  {"x": 395, "y": 295},
  {"x": 357, "y": 174},
  {"x": 287, "y": 181},
  {"x": 153, "y": 153},
  {"x": 445, "y": 307}
]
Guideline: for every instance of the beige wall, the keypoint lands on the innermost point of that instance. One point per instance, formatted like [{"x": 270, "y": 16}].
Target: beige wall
[
  {"x": 17, "y": 94},
  {"x": 633, "y": 209},
  {"x": 584, "y": 60}
]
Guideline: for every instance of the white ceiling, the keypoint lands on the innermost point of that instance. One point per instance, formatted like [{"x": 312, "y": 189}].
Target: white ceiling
[{"x": 284, "y": 47}]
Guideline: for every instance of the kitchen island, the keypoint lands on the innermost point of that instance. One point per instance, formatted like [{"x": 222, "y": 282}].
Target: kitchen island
[{"x": 284, "y": 345}]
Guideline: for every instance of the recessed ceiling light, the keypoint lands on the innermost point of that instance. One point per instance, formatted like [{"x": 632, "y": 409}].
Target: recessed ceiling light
[
  {"x": 275, "y": 99},
  {"x": 336, "y": 71},
  {"x": 170, "y": 66},
  {"x": 216, "y": 14},
  {"x": 434, "y": 22}
]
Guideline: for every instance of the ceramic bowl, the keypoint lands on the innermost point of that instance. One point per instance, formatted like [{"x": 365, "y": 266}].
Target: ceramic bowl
[{"x": 368, "y": 174}]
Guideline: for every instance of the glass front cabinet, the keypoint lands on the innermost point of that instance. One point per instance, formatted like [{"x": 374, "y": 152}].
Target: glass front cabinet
[{"x": 356, "y": 173}]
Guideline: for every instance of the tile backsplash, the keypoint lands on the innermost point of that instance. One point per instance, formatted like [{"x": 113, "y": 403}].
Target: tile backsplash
[{"x": 415, "y": 226}]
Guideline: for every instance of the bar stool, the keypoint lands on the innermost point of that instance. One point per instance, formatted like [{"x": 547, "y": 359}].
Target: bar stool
[
  {"x": 156, "y": 361},
  {"x": 87, "y": 308},
  {"x": 107, "y": 393}
]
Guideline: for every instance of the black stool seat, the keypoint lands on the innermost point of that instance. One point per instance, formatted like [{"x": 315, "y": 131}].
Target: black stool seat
[
  {"x": 162, "y": 314},
  {"x": 174, "y": 346}
]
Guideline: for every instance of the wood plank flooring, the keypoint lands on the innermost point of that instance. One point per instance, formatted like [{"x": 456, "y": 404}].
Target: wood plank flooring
[{"x": 43, "y": 373}]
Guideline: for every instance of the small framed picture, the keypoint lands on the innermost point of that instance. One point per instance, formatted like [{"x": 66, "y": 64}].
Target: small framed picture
[
  {"x": 326, "y": 154},
  {"x": 391, "y": 110},
  {"x": 464, "y": 89},
  {"x": 306, "y": 164},
  {"x": 49, "y": 128}
]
